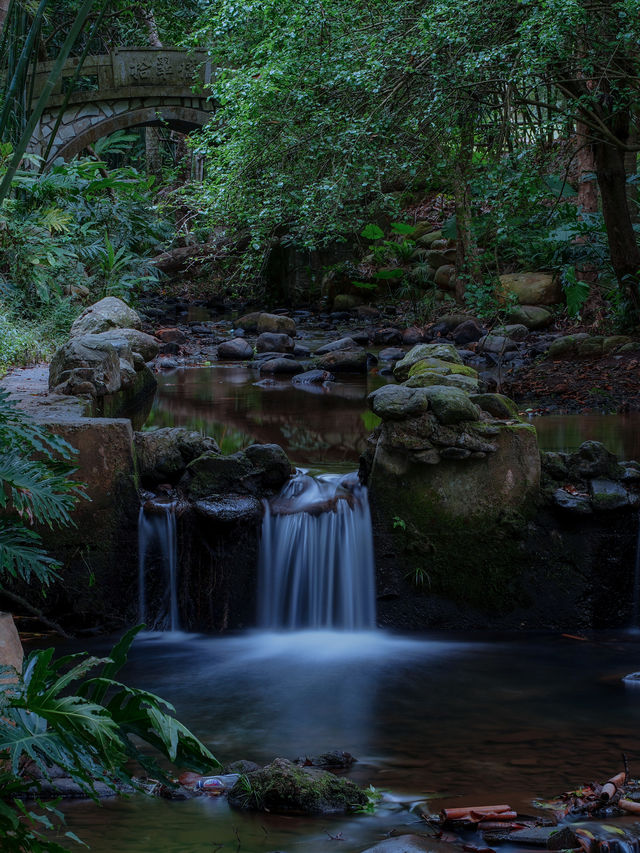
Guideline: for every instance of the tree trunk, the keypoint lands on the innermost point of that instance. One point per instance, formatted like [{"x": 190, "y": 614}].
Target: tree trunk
[
  {"x": 587, "y": 185},
  {"x": 4, "y": 8},
  {"x": 631, "y": 171},
  {"x": 153, "y": 152},
  {"x": 593, "y": 311},
  {"x": 623, "y": 245},
  {"x": 467, "y": 260},
  {"x": 147, "y": 19}
]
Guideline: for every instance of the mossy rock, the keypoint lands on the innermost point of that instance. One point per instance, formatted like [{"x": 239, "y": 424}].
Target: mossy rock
[
  {"x": 442, "y": 352},
  {"x": 428, "y": 365},
  {"x": 213, "y": 474},
  {"x": 451, "y": 405},
  {"x": 434, "y": 377},
  {"x": 566, "y": 346},
  {"x": 497, "y": 405},
  {"x": 283, "y": 788},
  {"x": 397, "y": 402}
]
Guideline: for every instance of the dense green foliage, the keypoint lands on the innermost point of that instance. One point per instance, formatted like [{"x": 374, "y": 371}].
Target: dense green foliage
[
  {"x": 335, "y": 113},
  {"x": 88, "y": 725},
  {"x": 77, "y": 230}
]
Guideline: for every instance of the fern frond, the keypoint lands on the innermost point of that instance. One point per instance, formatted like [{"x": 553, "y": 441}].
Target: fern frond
[
  {"x": 35, "y": 492},
  {"x": 21, "y": 554}
]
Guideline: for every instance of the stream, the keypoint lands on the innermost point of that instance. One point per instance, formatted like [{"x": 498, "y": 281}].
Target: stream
[{"x": 451, "y": 719}]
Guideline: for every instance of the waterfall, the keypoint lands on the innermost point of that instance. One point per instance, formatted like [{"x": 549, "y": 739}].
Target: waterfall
[
  {"x": 158, "y": 565},
  {"x": 316, "y": 565}
]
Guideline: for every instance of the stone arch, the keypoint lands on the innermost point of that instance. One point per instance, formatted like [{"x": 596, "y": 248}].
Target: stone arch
[{"x": 182, "y": 119}]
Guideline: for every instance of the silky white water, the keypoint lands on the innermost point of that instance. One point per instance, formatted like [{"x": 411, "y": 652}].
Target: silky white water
[
  {"x": 157, "y": 537},
  {"x": 316, "y": 567}
]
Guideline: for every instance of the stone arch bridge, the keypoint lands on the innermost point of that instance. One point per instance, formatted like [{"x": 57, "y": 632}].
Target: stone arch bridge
[{"x": 131, "y": 87}]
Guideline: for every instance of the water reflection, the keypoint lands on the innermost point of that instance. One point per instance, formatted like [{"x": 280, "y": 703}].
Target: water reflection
[
  {"x": 325, "y": 426},
  {"x": 620, "y": 433}
]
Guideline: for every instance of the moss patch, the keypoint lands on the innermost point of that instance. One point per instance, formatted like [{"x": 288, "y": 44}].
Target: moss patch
[{"x": 284, "y": 788}]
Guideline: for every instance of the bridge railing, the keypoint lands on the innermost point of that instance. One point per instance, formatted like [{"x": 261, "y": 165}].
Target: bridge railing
[{"x": 130, "y": 71}]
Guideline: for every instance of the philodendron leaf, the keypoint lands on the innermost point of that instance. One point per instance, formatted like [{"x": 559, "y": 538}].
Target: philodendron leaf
[{"x": 372, "y": 232}]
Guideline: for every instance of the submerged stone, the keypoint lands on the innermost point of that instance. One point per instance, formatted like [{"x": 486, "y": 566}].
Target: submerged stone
[
  {"x": 283, "y": 788},
  {"x": 313, "y": 377}
]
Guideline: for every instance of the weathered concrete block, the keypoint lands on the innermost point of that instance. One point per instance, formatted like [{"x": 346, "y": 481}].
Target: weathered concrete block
[{"x": 11, "y": 653}]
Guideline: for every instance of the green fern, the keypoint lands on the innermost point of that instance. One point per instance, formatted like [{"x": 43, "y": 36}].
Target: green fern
[{"x": 35, "y": 488}]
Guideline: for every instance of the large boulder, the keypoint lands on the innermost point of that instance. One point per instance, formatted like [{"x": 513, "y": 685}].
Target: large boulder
[
  {"x": 532, "y": 288},
  {"x": 86, "y": 365},
  {"x": 284, "y": 788},
  {"x": 276, "y": 323},
  {"x": 162, "y": 455},
  {"x": 271, "y": 463},
  {"x": 137, "y": 341},
  {"x": 259, "y": 470},
  {"x": 248, "y": 322},
  {"x": 109, "y": 313}
]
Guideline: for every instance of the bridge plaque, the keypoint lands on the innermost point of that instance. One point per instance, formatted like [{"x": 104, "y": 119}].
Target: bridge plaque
[{"x": 133, "y": 67}]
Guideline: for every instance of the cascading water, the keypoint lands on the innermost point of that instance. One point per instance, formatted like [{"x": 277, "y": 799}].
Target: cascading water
[
  {"x": 158, "y": 550},
  {"x": 316, "y": 566}
]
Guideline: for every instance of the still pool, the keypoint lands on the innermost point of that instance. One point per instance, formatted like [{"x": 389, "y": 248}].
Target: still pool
[{"x": 449, "y": 719}]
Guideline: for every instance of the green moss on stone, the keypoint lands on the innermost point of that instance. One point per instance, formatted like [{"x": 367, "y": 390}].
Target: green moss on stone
[
  {"x": 284, "y": 788},
  {"x": 427, "y": 365}
]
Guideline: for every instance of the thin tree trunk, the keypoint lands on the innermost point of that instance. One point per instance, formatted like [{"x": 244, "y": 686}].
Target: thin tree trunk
[
  {"x": 587, "y": 184},
  {"x": 631, "y": 171},
  {"x": 153, "y": 152},
  {"x": 4, "y": 9},
  {"x": 587, "y": 205},
  {"x": 623, "y": 244},
  {"x": 148, "y": 20},
  {"x": 467, "y": 259},
  {"x": 151, "y": 134}
]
